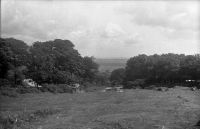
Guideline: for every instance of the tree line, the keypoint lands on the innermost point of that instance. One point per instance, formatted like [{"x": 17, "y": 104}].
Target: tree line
[
  {"x": 52, "y": 62},
  {"x": 166, "y": 69},
  {"x": 57, "y": 62}
]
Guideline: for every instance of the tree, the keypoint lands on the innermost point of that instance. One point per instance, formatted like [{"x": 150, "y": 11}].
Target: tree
[
  {"x": 13, "y": 54},
  {"x": 165, "y": 68},
  {"x": 90, "y": 68},
  {"x": 5, "y": 57},
  {"x": 102, "y": 78},
  {"x": 117, "y": 76},
  {"x": 20, "y": 51},
  {"x": 45, "y": 62},
  {"x": 58, "y": 62},
  {"x": 136, "y": 68},
  {"x": 190, "y": 67},
  {"x": 55, "y": 62},
  {"x": 17, "y": 74}
]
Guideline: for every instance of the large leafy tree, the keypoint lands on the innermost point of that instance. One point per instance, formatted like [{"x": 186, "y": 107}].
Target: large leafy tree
[
  {"x": 20, "y": 51},
  {"x": 45, "y": 62},
  {"x": 14, "y": 55},
  {"x": 5, "y": 57},
  {"x": 55, "y": 62}
]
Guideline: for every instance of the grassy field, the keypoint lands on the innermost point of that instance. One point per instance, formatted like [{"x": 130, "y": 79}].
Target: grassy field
[{"x": 132, "y": 109}]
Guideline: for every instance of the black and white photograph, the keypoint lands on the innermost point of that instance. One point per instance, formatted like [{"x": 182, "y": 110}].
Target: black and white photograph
[{"x": 99, "y": 64}]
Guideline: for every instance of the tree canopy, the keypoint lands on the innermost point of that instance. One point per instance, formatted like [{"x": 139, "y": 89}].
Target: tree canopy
[
  {"x": 45, "y": 62},
  {"x": 117, "y": 76},
  {"x": 165, "y": 68}
]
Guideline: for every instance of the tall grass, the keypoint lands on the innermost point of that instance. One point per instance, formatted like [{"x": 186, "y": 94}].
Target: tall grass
[{"x": 24, "y": 120}]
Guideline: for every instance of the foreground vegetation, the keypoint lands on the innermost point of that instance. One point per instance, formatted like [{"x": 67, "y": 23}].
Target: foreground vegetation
[{"x": 177, "y": 108}]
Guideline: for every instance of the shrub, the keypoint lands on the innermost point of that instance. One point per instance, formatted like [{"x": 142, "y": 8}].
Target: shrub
[
  {"x": 24, "y": 90},
  {"x": 60, "y": 88},
  {"x": 11, "y": 92},
  {"x": 4, "y": 83},
  {"x": 65, "y": 88},
  {"x": 138, "y": 83}
]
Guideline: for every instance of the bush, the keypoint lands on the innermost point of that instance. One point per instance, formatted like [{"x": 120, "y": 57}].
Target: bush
[
  {"x": 60, "y": 88},
  {"x": 4, "y": 83},
  {"x": 49, "y": 88},
  {"x": 11, "y": 92},
  {"x": 24, "y": 90},
  {"x": 138, "y": 83},
  {"x": 14, "y": 92}
]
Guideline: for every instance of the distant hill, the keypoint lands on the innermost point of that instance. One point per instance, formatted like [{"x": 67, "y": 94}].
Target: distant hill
[{"x": 110, "y": 64}]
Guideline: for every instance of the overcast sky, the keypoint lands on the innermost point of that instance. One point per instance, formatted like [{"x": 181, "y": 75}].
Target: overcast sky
[{"x": 106, "y": 28}]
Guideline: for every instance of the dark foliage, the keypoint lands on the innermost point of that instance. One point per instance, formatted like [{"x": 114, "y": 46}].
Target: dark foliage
[
  {"x": 117, "y": 76},
  {"x": 14, "y": 92},
  {"x": 165, "y": 68},
  {"x": 24, "y": 90},
  {"x": 91, "y": 69},
  {"x": 55, "y": 62},
  {"x": 102, "y": 78},
  {"x": 61, "y": 88},
  {"x": 10, "y": 92},
  {"x": 52, "y": 62},
  {"x": 5, "y": 57}
]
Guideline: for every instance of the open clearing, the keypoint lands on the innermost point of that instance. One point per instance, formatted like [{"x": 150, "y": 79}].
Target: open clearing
[{"x": 177, "y": 108}]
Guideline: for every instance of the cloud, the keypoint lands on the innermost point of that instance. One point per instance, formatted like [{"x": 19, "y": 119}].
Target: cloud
[
  {"x": 105, "y": 28},
  {"x": 173, "y": 15},
  {"x": 17, "y": 21},
  {"x": 113, "y": 30},
  {"x": 133, "y": 39},
  {"x": 35, "y": 19}
]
